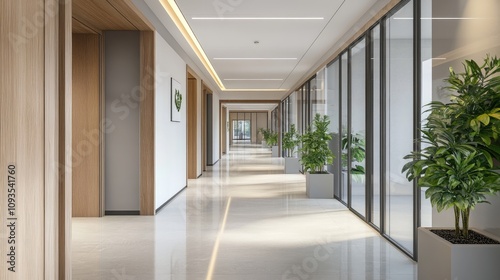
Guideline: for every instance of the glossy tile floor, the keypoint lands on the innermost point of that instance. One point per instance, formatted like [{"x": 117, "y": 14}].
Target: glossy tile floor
[{"x": 242, "y": 220}]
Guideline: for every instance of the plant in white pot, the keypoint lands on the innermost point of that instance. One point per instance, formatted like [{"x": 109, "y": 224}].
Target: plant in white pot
[
  {"x": 316, "y": 154},
  {"x": 456, "y": 164},
  {"x": 272, "y": 140},
  {"x": 290, "y": 142},
  {"x": 265, "y": 135}
]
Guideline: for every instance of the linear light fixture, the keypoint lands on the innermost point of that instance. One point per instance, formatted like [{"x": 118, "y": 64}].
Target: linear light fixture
[
  {"x": 442, "y": 18},
  {"x": 256, "y": 89},
  {"x": 255, "y": 58},
  {"x": 175, "y": 13},
  {"x": 253, "y": 79},
  {"x": 258, "y": 18}
]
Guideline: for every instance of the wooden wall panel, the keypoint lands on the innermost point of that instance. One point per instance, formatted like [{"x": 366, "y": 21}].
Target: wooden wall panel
[
  {"x": 223, "y": 130},
  {"x": 147, "y": 123},
  {"x": 30, "y": 118},
  {"x": 22, "y": 137},
  {"x": 192, "y": 117},
  {"x": 86, "y": 130},
  {"x": 65, "y": 138}
]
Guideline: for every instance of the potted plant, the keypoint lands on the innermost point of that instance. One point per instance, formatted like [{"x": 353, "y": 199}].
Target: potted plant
[
  {"x": 272, "y": 140},
  {"x": 316, "y": 154},
  {"x": 456, "y": 165},
  {"x": 290, "y": 142},
  {"x": 265, "y": 135}
]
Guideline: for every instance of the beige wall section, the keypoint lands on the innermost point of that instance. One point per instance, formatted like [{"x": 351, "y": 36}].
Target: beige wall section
[
  {"x": 147, "y": 122},
  {"x": 86, "y": 130},
  {"x": 30, "y": 119}
]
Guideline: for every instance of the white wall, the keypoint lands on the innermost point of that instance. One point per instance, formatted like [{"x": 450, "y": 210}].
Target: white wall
[
  {"x": 170, "y": 137},
  {"x": 122, "y": 160}
]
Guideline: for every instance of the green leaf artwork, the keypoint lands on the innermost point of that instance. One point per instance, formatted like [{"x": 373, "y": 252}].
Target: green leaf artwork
[{"x": 178, "y": 100}]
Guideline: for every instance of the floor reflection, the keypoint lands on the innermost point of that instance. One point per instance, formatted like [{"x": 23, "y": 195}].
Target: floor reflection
[{"x": 235, "y": 224}]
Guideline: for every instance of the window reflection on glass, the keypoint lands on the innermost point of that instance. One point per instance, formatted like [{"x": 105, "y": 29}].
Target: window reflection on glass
[
  {"x": 399, "y": 125},
  {"x": 356, "y": 142},
  {"x": 453, "y": 31}
]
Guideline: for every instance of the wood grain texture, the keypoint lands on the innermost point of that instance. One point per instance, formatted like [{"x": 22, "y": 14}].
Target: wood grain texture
[
  {"x": 79, "y": 27},
  {"x": 86, "y": 130},
  {"x": 51, "y": 142},
  {"x": 65, "y": 139},
  {"x": 109, "y": 15},
  {"x": 129, "y": 11},
  {"x": 147, "y": 123},
  {"x": 22, "y": 136},
  {"x": 192, "y": 131}
]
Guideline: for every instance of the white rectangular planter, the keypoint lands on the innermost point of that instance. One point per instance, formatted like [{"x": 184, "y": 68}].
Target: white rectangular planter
[
  {"x": 264, "y": 144},
  {"x": 319, "y": 185},
  {"x": 440, "y": 259},
  {"x": 274, "y": 151},
  {"x": 292, "y": 165}
]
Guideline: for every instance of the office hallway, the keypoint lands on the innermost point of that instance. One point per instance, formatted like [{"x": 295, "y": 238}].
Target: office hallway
[{"x": 242, "y": 220}]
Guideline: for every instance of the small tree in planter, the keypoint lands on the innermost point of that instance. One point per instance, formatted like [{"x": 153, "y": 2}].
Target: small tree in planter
[
  {"x": 265, "y": 136},
  {"x": 461, "y": 140},
  {"x": 272, "y": 140},
  {"x": 316, "y": 154},
  {"x": 290, "y": 142},
  {"x": 456, "y": 164}
]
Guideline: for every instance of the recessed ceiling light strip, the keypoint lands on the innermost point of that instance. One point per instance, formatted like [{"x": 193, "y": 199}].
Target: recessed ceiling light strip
[
  {"x": 175, "y": 13},
  {"x": 255, "y": 58},
  {"x": 257, "y": 18},
  {"x": 253, "y": 79},
  {"x": 256, "y": 89}
]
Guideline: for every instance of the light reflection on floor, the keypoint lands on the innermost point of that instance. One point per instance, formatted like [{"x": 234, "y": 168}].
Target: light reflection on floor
[{"x": 271, "y": 231}]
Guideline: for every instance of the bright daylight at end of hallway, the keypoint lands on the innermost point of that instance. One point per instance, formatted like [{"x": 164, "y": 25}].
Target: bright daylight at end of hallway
[{"x": 242, "y": 220}]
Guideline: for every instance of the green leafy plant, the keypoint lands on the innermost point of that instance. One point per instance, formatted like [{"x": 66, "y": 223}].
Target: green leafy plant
[
  {"x": 460, "y": 141},
  {"x": 265, "y": 133},
  {"x": 272, "y": 139},
  {"x": 291, "y": 140},
  {"x": 358, "y": 153},
  {"x": 315, "y": 150}
]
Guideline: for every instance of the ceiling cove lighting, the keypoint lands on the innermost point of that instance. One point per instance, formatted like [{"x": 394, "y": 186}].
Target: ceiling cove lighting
[
  {"x": 253, "y": 79},
  {"x": 175, "y": 13},
  {"x": 255, "y": 58},
  {"x": 258, "y": 18},
  {"x": 442, "y": 18},
  {"x": 257, "y": 89}
]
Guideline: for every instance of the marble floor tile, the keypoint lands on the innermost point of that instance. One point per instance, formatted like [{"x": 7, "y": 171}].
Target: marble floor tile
[{"x": 243, "y": 219}]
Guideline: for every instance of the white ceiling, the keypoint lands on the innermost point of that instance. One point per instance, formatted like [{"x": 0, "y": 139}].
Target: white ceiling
[{"x": 308, "y": 41}]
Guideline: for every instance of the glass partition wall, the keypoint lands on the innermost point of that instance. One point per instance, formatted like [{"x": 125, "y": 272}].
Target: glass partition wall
[
  {"x": 374, "y": 92},
  {"x": 368, "y": 93}
]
